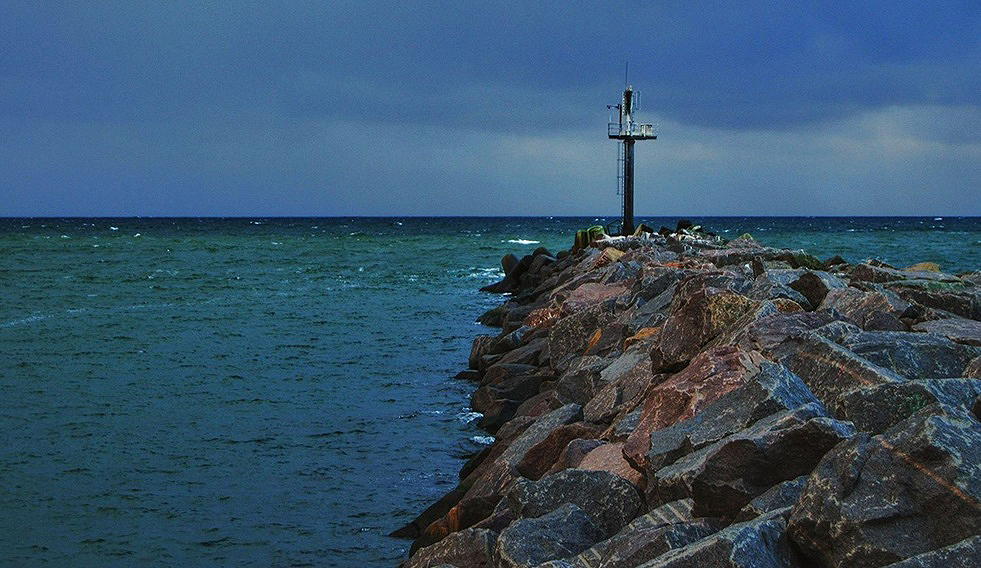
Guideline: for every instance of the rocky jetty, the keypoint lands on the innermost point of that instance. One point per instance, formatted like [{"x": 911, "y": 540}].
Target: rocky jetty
[{"x": 674, "y": 400}]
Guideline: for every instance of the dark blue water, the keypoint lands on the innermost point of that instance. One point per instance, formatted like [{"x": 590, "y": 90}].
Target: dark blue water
[{"x": 273, "y": 392}]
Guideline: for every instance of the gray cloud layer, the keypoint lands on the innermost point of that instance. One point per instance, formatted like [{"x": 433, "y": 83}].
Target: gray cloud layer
[{"x": 338, "y": 108}]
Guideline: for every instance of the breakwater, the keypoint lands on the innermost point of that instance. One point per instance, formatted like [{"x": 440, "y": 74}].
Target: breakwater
[{"x": 678, "y": 400}]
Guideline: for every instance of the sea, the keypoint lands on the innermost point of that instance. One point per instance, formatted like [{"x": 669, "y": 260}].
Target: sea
[{"x": 276, "y": 392}]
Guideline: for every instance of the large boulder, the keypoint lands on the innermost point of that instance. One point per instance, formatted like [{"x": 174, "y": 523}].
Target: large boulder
[
  {"x": 570, "y": 336},
  {"x": 829, "y": 369},
  {"x": 877, "y": 408},
  {"x": 623, "y": 381},
  {"x": 542, "y": 456},
  {"x": 698, "y": 313},
  {"x": 773, "y": 284},
  {"x": 498, "y": 475},
  {"x": 648, "y": 536},
  {"x": 590, "y": 294},
  {"x": 759, "y": 543},
  {"x": 958, "y": 330},
  {"x": 469, "y": 547},
  {"x": 877, "y": 500},
  {"x": 609, "y": 458},
  {"x": 958, "y": 297},
  {"x": 964, "y": 554},
  {"x": 564, "y": 532},
  {"x": 815, "y": 285},
  {"x": 609, "y": 500},
  {"x": 912, "y": 355},
  {"x": 709, "y": 376},
  {"x": 724, "y": 477},
  {"x": 873, "y": 309},
  {"x": 773, "y": 390}
]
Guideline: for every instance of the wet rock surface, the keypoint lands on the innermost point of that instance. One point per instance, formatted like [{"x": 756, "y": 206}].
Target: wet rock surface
[{"x": 672, "y": 399}]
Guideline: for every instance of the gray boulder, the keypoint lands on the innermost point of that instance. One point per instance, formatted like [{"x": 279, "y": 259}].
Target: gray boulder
[
  {"x": 877, "y": 408},
  {"x": 814, "y": 285},
  {"x": 469, "y": 547},
  {"x": 723, "y": 477},
  {"x": 959, "y": 330},
  {"x": 774, "y": 389},
  {"x": 760, "y": 543},
  {"x": 777, "y": 497},
  {"x": 609, "y": 500},
  {"x": 964, "y": 554},
  {"x": 669, "y": 526},
  {"x": 564, "y": 532},
  {"x": 877, "y": 500},
  {"x": 912, "y": 355},
  {"x": 829, "y": 369},
  {"x": 570, "y": 335}
]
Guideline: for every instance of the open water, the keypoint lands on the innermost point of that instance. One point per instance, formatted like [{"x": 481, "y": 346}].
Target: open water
[{"x": 274, "y": 392}]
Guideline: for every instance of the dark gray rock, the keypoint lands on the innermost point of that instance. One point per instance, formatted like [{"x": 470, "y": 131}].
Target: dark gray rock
[
  {"x": 760, "y": 543},
  {"x": 480, "y": 347},
  {"x": 829, "y": 369},
  {"x": 814, "y": 285},
  {"x": 877, "y": 500},
  {"x": 469, "y": 547},
  {"x": 570, "y": 335},
  {"x": 877, "y": 408},
  {"x": 773, "y": 284},
  {"x": 775, "y": 389},
  {"x": 723, "y": 477},
  {"x": 609, "y": 500},
  {"x": 634, "y": 546},
  {"x": 866, "y": 309},
  {"x": 964, "y": 554},
  {"x": 958, "y": 330},
  {"x": 957, "y": 297},
  {"x": 564, "y": 532},
  {"x": 528, "y": 354},
  {"x": 581, "y": 380},
  {"x": 623, "y": 380},
  {"x": 669, "y": 526},
  {"x": 912, "y": 355},
  {"x": 496, "y": 477},
  {"x": 777, "y": 497}
]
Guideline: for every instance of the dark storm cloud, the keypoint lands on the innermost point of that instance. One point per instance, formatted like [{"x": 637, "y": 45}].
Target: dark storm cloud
[{"x": 203, "y": 107}]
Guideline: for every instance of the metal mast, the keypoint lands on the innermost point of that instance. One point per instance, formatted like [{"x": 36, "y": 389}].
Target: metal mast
[{"x": 629, "y": 131}]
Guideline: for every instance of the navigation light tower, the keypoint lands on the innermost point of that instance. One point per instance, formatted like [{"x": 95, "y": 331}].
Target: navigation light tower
[{"x": 629, "y": 131}]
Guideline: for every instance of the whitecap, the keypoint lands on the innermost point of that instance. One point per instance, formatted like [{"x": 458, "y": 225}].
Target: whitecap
[
  {"x": 938, "y": 218},
  {"x": 466, "y": 417},
  {"x": 484, "y": 440},
  {"x": 137, "y": 235},
  {"x": 523, "y": 242},
  {"x": 113, "y": 228}
]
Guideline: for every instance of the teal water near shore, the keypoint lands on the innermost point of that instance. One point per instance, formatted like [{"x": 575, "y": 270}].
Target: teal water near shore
[{"x": 275, "y": 392}]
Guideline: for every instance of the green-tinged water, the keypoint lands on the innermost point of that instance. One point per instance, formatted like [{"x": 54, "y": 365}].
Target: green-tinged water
[{"x": 273, "y": 392}]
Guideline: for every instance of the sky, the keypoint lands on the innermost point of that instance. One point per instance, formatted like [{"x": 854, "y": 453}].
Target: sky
[{"x": 405, "y": 108}]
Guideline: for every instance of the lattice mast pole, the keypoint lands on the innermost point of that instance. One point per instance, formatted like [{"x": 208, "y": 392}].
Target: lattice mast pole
[{"x": 628, "y": 131}]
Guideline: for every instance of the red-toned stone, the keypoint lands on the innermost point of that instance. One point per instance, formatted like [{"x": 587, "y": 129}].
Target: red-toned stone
[
  {"x": 699, "y": 312},
  {"x": 609, "y": 457},
  {"x": 590, "y": 294},
  {"x": 540, "y": 458},
  {"x": 709, "y": 376}
]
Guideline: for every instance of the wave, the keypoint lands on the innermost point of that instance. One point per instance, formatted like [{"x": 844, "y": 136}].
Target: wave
[{"x": 523, "y": 242}]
